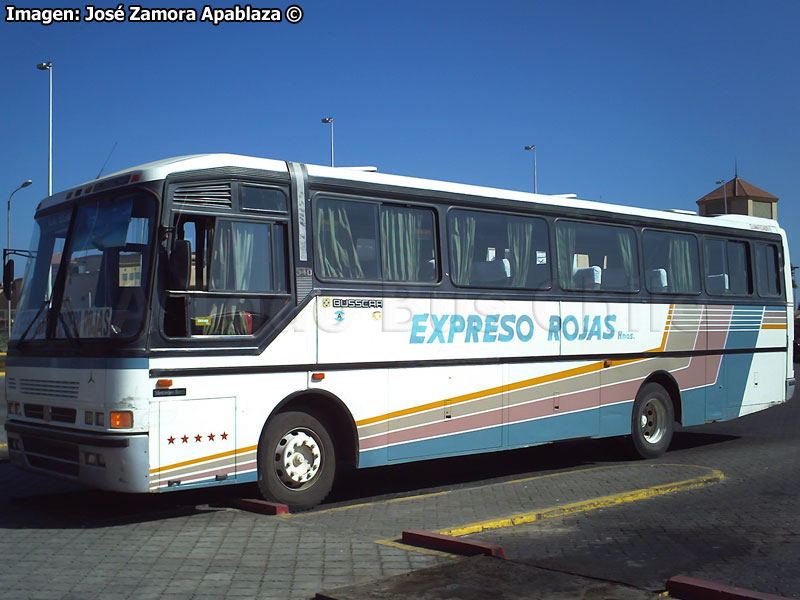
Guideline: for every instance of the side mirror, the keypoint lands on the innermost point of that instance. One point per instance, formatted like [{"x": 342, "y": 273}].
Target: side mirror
[
  {"x": 180, "y": 265},
  {"x": 8, "y": 279}
]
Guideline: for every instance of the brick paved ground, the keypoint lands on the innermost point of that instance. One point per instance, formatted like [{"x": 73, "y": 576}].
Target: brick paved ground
[{"x": 78, "y": 544}]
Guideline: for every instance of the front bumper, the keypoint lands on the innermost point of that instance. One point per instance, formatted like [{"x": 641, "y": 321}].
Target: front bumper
[{"x": 116, "y": 462}]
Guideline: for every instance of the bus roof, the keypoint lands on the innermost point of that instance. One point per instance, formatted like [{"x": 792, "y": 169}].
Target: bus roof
[{"x": 160, "y": 169}]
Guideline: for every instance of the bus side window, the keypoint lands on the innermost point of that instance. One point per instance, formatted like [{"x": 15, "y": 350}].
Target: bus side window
[
  {"x": 198, "y": 232},
  {"x": 727, "y": 267},
  {"x": 238, "y": 278},
  {"x": 671, "y": 262},
  {"x": 767, "y": 271},
  {"x": 594, "y": 256},
  {"x": 493, "y": 250}
]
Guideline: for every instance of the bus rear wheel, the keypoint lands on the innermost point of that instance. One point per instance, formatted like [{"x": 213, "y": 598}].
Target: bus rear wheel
[
  {"x": 652, "y": 421},
  {"x": 296, "y": 461}
]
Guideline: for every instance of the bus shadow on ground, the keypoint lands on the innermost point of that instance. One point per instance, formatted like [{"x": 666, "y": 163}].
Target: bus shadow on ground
[
  {"x": 85, "y": 509},
  {"x": 481, "y": 469},
  {"x": 31, "y": 502}
]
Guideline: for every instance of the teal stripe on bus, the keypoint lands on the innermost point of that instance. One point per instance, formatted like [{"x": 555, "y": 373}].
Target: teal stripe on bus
[{"x": 77, "y": 362}]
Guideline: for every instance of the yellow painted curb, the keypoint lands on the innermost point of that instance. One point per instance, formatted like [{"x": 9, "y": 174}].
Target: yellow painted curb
[{"x": 713, "y": 477}]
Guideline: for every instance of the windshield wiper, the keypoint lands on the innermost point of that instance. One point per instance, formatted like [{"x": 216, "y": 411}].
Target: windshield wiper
[
  {"x": 72, "y": 337},
  {"x": 45, "y": 302}
]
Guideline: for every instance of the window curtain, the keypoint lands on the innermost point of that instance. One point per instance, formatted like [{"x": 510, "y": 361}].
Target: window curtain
[
  {"x": 626, "y": 252},
  {"x": 243, "y": 242},
  {"x": 462, "y": 246},
  {"x": 233, "y": 263},
  {"x": 400, "y": 244},
  {"x": 681, "y": 279},
  {"x": 565, "y": 243},
  {"x": 335, "y": 249},
  {"x": 520, "y": 243},
  {"x": 221, "y": 263},
  {"x": 226, "y": 319},
  {"x": 233, "y": 268}
]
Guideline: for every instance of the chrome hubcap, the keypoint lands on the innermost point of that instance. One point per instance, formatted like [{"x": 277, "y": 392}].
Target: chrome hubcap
[
  {"x": 298, "y": 457},
  {"x": 653, "y": 421}
]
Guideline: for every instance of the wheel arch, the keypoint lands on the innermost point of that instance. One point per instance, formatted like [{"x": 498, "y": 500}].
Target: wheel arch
[
  {"x": 667, "y": 381},
  {"x": 332, "y": 412}
]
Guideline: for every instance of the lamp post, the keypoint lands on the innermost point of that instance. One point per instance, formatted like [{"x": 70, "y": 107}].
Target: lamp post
[
  {"x": 330, "y": 120},
  {"x": 8, "y": 238},
  {"x": 533, "y": 147},
  {"x": 48, "y": 66},
  {"x": 724, "y": 193}
]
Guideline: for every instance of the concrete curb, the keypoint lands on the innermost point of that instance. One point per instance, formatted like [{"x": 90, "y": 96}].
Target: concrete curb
[
  {"x": 454, "y": 545},
  {"x": 689, "y": 588},
  {"x": 712, "y": 477}
]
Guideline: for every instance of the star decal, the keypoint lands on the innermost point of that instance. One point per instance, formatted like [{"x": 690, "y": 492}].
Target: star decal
[{"x": 212, "y": 437}]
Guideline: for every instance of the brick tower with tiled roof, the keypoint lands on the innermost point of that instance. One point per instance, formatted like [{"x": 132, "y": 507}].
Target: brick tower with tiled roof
[{"x": 741, "y": 198}]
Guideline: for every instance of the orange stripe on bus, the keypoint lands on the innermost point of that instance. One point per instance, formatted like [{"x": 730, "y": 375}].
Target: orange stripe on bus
[
  {"x": 195, "y": 461},
  {"x": 483, "y": 393},
  {"x": 773, "y": 327}
]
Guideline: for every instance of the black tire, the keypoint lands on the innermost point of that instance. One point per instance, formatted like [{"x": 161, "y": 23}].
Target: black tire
[
  {"x": 652, "y": 421},
  {"x": 296, "y": 461}
]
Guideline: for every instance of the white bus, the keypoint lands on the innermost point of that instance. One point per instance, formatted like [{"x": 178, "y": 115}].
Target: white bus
[{"x": 217, "y": 319}]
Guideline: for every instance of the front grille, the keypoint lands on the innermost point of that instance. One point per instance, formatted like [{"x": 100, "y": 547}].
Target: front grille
[
  {"x": 62, "y": 390},
  {"x": 34, "y": 411},
  {"x": 48, "y": 464},
  {"x": 50, "y": 413},
  {"x": 59, "y": 457},
  {"x": 62, "y": 415}
]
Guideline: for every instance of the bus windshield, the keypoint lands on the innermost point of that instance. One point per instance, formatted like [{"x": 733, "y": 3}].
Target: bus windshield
[{"x": 89, "y": 271}]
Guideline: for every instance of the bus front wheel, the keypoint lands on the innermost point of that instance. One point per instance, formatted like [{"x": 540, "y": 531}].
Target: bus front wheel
[
  {"x": 652, "y": 421},
  {"x": 296, "y": 461}
]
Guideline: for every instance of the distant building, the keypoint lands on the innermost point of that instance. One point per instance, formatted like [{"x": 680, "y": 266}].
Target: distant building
[{"x": 742, "y": 198}]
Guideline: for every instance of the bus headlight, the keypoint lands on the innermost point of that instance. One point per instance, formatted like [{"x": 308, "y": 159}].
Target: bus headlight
[{"x": 121, "y": 419}]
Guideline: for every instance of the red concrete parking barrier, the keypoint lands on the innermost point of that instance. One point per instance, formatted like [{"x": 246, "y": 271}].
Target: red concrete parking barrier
[
  {"x": 454, "y": 545},
  {"x": 689, "y": 588},
  {"x": 259, "y": 506}
]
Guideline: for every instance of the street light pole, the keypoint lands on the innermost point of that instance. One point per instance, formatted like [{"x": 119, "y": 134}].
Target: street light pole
[
  {"x": 48, "y": 66},
  {"x": 533, "y": 147},
  {"x": 724, "y": 193},
  {"x": 8, "y": 239},
  {"x": 330, "y": 120}
]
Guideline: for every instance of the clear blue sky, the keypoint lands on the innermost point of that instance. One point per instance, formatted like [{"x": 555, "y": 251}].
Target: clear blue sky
[{"x": 634, "y": 102}]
